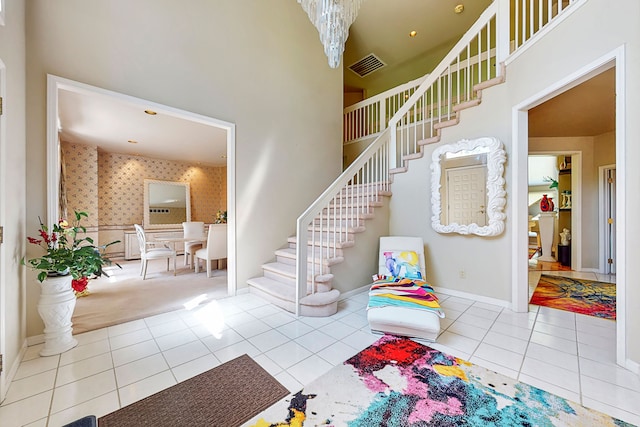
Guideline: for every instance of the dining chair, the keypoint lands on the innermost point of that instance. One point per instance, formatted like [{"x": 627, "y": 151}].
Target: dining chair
[
  {"x": 216, "y": 248},
  {"x": 195, "y": 230},
  {"x": 150, "y": 250}
]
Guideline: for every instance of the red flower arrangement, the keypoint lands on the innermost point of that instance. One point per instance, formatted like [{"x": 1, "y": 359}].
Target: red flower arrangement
[{"x": 66, "y": 253}]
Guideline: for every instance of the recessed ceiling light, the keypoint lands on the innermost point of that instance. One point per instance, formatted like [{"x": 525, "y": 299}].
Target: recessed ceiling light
[
  {"x": 413, "y": 33},
  {"x": 150, "y": 112},
  {"x": 459, "y": 8},
  {"x": 131, "y": 141}
]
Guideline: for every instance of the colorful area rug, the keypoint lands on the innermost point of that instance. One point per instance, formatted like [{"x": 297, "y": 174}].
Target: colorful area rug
[
  {"x": 588, "y": 297},
  {"x": 398, "y": 382}
]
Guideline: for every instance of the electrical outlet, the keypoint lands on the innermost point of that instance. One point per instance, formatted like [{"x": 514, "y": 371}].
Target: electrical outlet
[{"x": 463, "y": 274}]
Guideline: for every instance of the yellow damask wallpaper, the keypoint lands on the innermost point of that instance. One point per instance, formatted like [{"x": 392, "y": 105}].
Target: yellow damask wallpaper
[
  {"x": 81, "y": 172},
  {"x": 121, "y": 187},
  {"x": 110, "y": 187}
]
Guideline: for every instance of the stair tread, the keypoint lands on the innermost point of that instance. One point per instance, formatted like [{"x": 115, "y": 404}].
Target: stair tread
[
  {"x": 331, "y": 229},
  {"x": 446, "y": 123},
  {"x": 398, "y": 170},
  {"x": 288, "y": 292},
  {"x": 317, "y": 242},
  {"x": 290, "y": 271},
  {"x": 292, "y": 253},
  {"x": 466, "y": 104},
  {"x": 428, "y": 141}
]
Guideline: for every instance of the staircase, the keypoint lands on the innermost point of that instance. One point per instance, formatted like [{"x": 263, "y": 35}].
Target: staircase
[
  {"x": 332, "y": 231},
  {"x": 328, "y": 229}
]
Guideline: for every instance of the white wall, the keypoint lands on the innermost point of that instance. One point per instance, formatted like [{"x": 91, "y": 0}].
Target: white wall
[
  {"x": 447, "y": 254},
  {"x": 254, "y": 63},
  {"x": 12, "y": 186},
  {"x": 594, "y": 30}
]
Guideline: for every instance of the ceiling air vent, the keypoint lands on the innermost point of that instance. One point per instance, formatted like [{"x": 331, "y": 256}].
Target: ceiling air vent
[{"x": 367, "y": 65}]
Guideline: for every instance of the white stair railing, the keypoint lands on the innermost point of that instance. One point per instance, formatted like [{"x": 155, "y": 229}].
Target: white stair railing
[
  {"x": 331, "y": 220},
  {"x": 368, "y": 118},
  {"x": 453, "y": 85},
  {"x": 531, "y": 16}
]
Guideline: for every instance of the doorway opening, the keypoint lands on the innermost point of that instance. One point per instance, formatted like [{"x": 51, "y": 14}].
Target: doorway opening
[
  {"x": 556, "y": 178},
  {"x": 611, "y": 67},
  {"x": 216, "y": 139}
]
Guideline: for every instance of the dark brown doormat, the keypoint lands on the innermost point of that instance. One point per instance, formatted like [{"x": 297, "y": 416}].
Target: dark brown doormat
[{"x": 226, "y": 395}]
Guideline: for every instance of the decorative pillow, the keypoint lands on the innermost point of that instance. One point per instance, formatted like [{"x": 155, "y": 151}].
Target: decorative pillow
[{"x": 402, "y": 264}]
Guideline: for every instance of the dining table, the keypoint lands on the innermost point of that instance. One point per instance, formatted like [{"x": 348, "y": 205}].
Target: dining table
[{"x": 172, "y": 240}]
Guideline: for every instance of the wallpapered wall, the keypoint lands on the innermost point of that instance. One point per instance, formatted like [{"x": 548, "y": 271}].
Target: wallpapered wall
[
  {"x": 110, "y": 186},
  {"x": 121, "y": 186},
  {"x": 81, "y": 164}
]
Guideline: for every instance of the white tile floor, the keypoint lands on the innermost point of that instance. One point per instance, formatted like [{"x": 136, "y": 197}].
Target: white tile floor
[{"x": 567, "y": 354}]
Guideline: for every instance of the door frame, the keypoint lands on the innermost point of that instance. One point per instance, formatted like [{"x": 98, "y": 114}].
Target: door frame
[
  {"x": 520, "y": 149},
  {"x": 576, "y": 200},
  {"x": 55, "y": 83},
  {"x": 602, "y": 229},
  {"x": 4, "y": 385}
]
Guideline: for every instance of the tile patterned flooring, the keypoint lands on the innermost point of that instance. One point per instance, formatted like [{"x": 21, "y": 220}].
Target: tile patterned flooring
[{"x": 568, "y": 354}]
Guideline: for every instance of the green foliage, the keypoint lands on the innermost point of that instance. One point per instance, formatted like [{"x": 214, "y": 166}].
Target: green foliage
[{"x": 67, "y": 252}]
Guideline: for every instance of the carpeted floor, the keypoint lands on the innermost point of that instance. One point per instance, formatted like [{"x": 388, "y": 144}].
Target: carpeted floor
[
  {"x": 576, "y": 295},
  {"x": 398, "y": 382},
  {"x": 124, "y": 296},
  {"x": 227, "y": 395}
]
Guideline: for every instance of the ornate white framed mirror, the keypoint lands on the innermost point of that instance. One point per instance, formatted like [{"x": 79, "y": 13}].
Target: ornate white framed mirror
[
  {"x": 467, "y": 187},
  {"x": 167, "y": 204}
]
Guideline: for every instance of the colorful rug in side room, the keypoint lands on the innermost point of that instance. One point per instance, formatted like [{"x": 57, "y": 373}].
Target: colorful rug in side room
[
  {"x": 398, "y": 382},
  {"x": 588, "y": 297}
]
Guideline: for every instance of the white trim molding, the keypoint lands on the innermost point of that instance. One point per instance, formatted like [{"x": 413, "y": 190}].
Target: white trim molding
[
  {"x": 473, "y": 297},
  {"x": 55, "y": 83},
  {"x": 519, "y": 156}
]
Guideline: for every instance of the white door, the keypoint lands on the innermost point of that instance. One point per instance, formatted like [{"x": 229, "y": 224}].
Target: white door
[
  {"x": 610, "y": 218},
  {"x": 466, "y": 195}
]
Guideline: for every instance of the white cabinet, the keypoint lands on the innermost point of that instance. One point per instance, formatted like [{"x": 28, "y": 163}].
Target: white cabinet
[{"x": 132, "y": 248}]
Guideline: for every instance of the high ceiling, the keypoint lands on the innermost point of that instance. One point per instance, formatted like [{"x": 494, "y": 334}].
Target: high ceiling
[{"x": 382, "y": 28}]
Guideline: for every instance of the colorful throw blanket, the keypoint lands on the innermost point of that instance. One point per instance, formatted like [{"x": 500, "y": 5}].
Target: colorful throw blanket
[{"x": 402, "y": 292}]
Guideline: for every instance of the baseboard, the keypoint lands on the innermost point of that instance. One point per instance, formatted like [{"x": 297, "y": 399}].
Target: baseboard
[
  {"x": 35, "y": 340},
  {"x": 349, "y": 294},
  {"x": 633, "y": 366},
  {"x": 474, "y": 297},
  {"x": 11, "y": 373}
]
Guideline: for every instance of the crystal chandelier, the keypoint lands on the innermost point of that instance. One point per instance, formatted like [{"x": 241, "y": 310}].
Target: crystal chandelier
[{"x": 332, "y": 18}]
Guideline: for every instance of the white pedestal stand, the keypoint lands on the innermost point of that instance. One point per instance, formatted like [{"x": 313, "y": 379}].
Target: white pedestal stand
[
  {"x": 547, "y": 225},
  {"x": 55, "y": 306}
]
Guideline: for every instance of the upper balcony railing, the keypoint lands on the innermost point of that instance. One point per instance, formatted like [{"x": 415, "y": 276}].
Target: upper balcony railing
[
  {"x": 367, "y": 118},
  {"x": 406, "y": 118}
]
